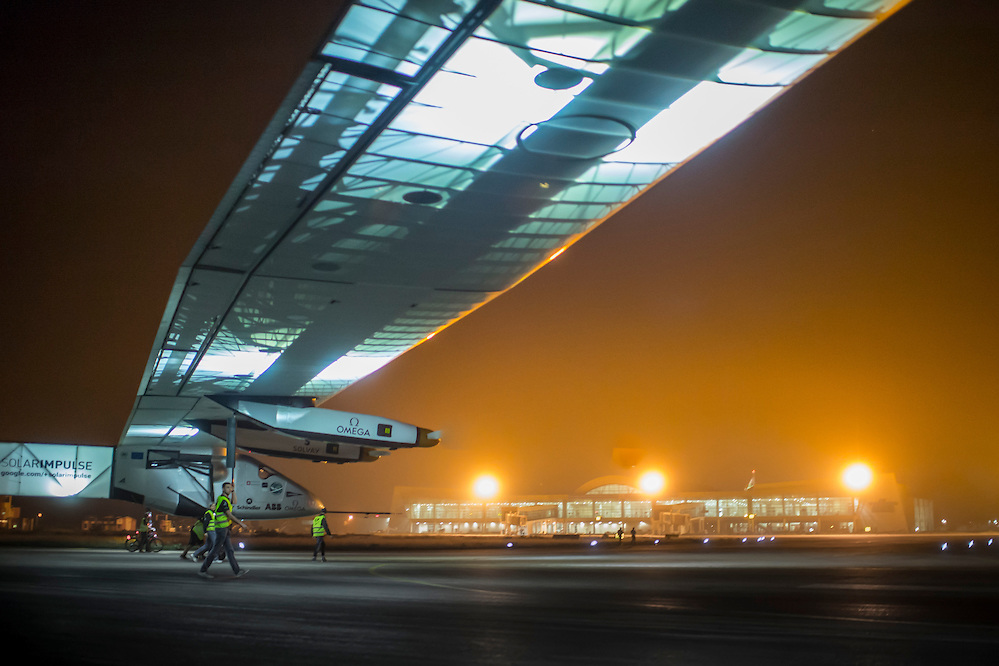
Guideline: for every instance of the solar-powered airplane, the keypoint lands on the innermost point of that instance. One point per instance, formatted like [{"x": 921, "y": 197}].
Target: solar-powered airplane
[{"x": 430, "y": 156}]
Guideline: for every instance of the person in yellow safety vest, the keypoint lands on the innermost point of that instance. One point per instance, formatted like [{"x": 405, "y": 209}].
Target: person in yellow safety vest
[
  {"x": 222, "y": 521},
  {"x": 198, "y": 535},
  {"x": 320, "y": 528},
  {"x": 145, "y": 527},
  {"x": 206, "y": 519}
]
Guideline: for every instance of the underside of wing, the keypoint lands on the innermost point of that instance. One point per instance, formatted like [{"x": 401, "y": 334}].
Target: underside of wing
[{"x": 433, "y": 154}]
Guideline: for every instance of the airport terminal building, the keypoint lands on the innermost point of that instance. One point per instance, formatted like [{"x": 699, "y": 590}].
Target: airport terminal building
[{"x": 607, "y": 504}]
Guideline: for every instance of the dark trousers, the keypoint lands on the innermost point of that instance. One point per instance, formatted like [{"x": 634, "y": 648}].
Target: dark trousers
[
  {"x": 320, "y": 547},
  {"x": 221, "y": 541}
]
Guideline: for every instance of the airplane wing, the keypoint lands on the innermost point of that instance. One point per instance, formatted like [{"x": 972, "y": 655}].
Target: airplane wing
[{"x": 433, "y": 154}]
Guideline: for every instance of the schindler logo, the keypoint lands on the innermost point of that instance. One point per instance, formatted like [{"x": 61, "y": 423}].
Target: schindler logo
[{"x": 384, "y": 430}]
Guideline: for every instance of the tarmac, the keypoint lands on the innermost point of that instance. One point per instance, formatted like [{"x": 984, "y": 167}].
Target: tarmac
[
  {"x": 452, "y": 600},
  {"x": 269, "y": 541}
]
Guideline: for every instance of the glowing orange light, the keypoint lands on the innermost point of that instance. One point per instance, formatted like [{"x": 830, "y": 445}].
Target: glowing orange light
[
  {"x": 857, "y": 476},
  {"x": 485, "y": 486},
  {"x": 556, "y": 254},
  {"x": 652, "y": 482}
]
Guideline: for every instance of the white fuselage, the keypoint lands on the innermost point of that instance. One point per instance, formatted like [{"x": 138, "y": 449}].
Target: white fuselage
[{"x": 184, "y": 480}]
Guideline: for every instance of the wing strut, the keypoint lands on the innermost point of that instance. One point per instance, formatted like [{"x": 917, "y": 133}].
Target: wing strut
[{"x": 230, "y": 448}]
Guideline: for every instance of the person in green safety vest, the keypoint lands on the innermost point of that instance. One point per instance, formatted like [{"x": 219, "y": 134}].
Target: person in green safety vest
[
  {"x": 320, "y": 528},
  {"x": 206, "y": 520},
  {"x": 197, "y": 536},
  {"x": 222, "y": 522}
]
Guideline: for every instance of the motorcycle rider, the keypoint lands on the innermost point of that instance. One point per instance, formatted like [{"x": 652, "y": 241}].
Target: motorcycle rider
[{"x": 145, "y": 529}]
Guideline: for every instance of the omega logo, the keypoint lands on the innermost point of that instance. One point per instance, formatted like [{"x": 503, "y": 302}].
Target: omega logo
[{"x": 354, "y": 428}]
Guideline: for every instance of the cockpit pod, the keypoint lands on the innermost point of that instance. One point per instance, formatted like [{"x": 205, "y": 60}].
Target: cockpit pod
[{"x": 183, "y": 481}]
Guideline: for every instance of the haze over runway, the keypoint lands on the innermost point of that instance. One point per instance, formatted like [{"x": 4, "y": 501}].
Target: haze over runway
[{"x": 817, "y": 287}]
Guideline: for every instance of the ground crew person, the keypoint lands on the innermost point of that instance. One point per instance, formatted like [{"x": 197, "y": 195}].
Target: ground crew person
[
  {"x": 222, "y": 522},
  {"x": 197, "y": 537},
  {"x": 320, "y": 528},
  {"x": 209, "y": 535}
]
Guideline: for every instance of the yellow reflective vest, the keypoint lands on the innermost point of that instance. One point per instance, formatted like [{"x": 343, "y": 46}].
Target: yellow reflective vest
[
  {"x": 317, "y": 526},
  {"x": 204, "y": 524},
  {"x": 220, "y": 520}
]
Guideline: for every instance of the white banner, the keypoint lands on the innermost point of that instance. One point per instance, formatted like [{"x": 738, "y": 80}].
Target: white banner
[{"x": 55, "y": 470}]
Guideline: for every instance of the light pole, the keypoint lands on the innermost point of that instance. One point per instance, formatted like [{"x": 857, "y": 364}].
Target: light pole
[
  {"x": 857, "y": 477},
  {"x": 652, "y": 483},
  {"x": 485, "y": 487}
]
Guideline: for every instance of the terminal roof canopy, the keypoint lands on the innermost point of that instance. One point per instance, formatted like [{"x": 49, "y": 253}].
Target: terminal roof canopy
[{"x": 433, "y": 153}]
